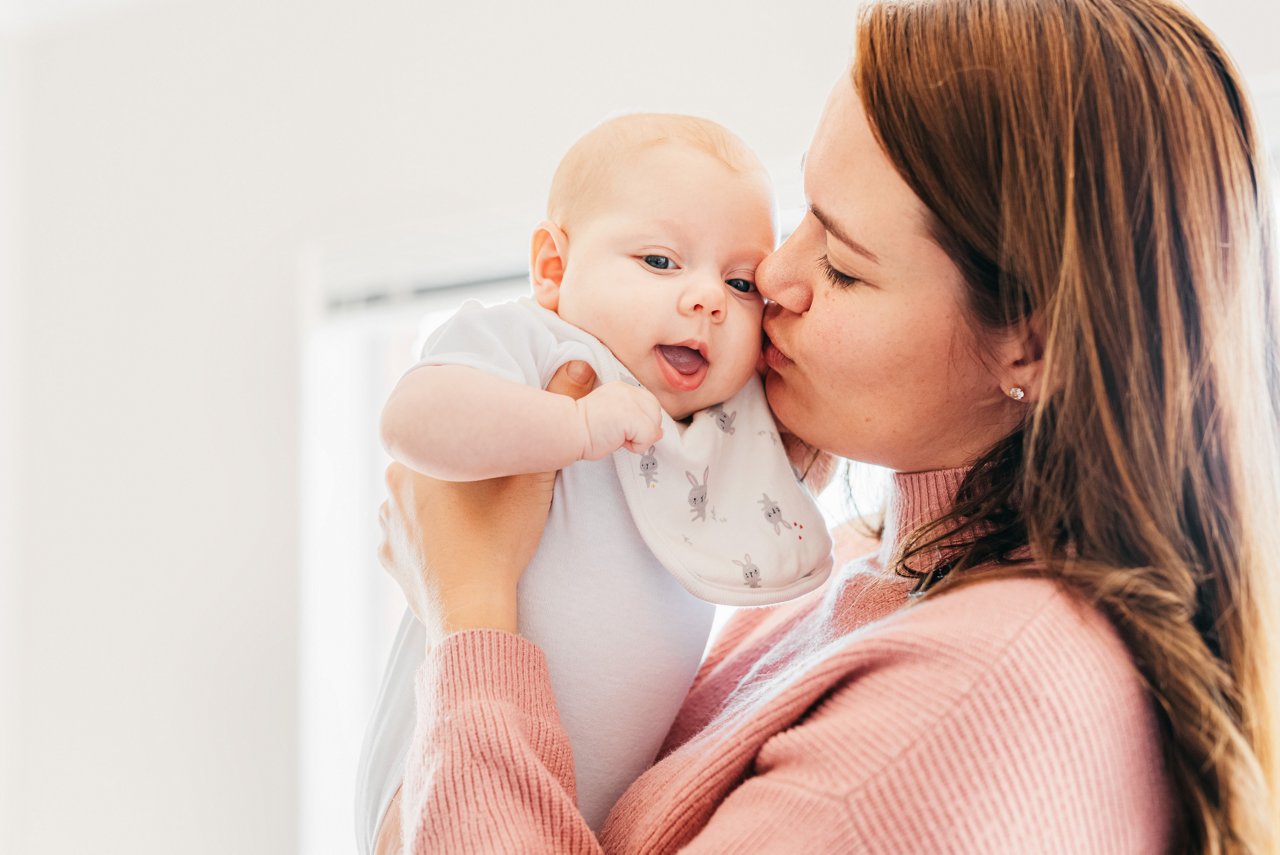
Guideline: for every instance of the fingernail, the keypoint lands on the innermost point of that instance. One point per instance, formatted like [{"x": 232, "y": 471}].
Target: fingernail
[{"x": 579, "y": 371}]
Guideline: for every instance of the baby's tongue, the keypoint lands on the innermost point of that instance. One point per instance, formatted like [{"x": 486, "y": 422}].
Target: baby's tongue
[{"x": 686, "y": 360}]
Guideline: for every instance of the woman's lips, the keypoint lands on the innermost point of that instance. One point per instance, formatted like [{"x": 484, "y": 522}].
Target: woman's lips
[
  {"x": 677, "y": 379},
  {"x": 773, "y": 357},
  {"x": 776, "y": 359}
]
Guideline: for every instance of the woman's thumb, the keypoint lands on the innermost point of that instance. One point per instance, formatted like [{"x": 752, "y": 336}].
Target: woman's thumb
[{"x": 574, "y": 379}]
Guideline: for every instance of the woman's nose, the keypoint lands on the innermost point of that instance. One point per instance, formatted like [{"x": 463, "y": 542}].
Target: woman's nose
[{"x": 781, "y": 278}]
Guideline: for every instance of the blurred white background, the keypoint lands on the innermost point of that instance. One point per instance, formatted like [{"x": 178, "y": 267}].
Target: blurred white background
[{"x": 220, "y": 222}]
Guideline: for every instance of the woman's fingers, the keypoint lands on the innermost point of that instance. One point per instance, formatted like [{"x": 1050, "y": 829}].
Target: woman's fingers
[
  {"x": 574, "y": 379},
  {"x": 457, "y": 550}
]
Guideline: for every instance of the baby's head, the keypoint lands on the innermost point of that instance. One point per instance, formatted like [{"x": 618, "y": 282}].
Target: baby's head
[{"x": 655, "y": 226}]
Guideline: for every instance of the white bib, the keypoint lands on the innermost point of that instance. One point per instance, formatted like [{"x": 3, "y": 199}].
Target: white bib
[{"x": 717, "y": 500}]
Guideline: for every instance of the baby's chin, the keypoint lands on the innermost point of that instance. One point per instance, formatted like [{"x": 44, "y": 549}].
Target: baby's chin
[
  {"x": 715, "y": 390},
  {"x": 682, "y": 407}
]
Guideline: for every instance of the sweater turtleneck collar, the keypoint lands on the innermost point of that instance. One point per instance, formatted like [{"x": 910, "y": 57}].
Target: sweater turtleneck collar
[
  {"x": 865, "y": 591},
  {"x": 917, "y": 498}
]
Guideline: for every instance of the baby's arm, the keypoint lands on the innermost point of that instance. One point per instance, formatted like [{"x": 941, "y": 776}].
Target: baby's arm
[{"x": 459, "y": 423}]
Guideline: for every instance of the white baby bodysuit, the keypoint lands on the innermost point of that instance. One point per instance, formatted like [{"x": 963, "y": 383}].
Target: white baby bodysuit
[{"x": 635, "y": 551}]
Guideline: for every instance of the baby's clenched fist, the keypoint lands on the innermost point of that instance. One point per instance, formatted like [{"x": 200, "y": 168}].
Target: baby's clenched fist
[{"x": 619, "y": 415}]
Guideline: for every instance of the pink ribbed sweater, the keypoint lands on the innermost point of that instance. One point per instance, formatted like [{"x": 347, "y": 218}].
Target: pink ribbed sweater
[{"x": 1002, "y": 718}]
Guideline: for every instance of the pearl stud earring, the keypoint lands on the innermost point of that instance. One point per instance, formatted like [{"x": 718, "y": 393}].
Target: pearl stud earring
[{"x": 1016, "y": 393}]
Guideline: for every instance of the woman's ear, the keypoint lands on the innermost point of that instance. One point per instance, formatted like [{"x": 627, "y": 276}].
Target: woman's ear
[
  {"x": 1022, "y": 363},
  {"x": 548, "y": 255}
]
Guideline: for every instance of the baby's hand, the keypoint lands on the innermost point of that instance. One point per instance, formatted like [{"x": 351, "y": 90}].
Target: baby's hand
[{"x": 619, "y": 415}]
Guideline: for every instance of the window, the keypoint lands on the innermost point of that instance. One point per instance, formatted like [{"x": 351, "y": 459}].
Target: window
[{"x": 355, "y": 348}]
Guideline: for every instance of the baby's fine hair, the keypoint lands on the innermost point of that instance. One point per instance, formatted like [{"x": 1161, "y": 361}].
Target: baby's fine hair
[{"x": 587, "y": 165}]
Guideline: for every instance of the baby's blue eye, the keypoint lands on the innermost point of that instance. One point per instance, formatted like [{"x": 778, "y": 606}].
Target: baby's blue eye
[
  {"x": 743, "y": 285},
  {"x": 661, "y": 262}
]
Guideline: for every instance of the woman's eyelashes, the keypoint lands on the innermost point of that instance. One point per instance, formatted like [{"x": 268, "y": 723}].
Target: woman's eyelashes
[{"x": 838, "y": 279}]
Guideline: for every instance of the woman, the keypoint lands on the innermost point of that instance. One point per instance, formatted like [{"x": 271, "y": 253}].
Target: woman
[{"x": 1036, "y": 282}]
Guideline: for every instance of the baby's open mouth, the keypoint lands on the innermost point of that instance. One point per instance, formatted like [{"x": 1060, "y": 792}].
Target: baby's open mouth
[
  {"x": 681, "y": 367},
  {"x": 686, "y": 360}
]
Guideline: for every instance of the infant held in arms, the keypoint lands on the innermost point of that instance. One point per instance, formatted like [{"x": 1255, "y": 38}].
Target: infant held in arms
[{"x": 674, "y": 493}]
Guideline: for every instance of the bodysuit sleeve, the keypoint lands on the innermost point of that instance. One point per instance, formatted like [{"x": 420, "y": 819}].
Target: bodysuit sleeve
[{"x": 508, "y": 340}]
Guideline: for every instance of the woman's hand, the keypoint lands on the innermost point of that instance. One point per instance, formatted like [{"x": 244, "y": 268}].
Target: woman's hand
[{"x": 457, "y": 550}]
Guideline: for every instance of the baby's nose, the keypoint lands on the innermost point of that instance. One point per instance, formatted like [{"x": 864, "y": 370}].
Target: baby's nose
[{"x": 706, "y": 297}]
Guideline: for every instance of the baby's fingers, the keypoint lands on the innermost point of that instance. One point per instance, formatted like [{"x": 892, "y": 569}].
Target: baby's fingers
[
  {"x": 643, "y": 441},
  {"x": 646, "y": 431}
]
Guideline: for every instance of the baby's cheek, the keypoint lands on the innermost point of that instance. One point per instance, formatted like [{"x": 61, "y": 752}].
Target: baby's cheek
[
  {"x": 747, "y": 338},
  {"x": 750, "y": 351},
  {"x": 746, "y": 363}
]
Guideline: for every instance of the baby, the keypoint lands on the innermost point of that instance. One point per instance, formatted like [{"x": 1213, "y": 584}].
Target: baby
[{"x": 674, "y": 491}]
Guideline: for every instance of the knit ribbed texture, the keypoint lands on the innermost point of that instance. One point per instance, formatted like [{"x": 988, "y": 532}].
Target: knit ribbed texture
[{"x": 999, "y": 718}]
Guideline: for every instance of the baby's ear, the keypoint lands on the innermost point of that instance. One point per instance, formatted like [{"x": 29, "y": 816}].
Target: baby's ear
[{"x": 548, "y": 255}]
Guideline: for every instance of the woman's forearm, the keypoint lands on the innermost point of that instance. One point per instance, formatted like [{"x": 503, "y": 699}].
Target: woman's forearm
[{"x": 518, "y": 794}]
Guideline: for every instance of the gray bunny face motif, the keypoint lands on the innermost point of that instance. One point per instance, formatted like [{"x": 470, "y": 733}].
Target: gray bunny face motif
[
  {"x": 649, "y": 467},
  {"x": 773, "y": 513},
  {"x": 724, "y": 420},
  {"x": 698, "y": 494},
  {"x": 750, "y": 572}
]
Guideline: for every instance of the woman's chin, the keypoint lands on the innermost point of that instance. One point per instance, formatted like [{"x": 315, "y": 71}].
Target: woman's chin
[
  {"x": 789, "y": 418},
  {"x": 775, "y": 392}
]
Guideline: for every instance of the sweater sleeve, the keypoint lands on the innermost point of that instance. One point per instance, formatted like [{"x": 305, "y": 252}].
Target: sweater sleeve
[
  {"x": 1027, "y": 733},
  {"x": 491, "y": 770},
  {"x": 943, "y": 734}
]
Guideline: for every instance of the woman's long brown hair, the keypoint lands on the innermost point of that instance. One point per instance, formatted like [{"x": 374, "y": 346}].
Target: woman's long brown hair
[{"x": 1093, "y": 168}]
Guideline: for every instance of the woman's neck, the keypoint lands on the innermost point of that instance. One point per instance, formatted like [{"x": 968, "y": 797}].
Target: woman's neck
[{"x": 916, "y": 498}]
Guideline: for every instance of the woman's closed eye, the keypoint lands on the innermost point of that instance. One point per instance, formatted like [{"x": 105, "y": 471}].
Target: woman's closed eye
[{"x": 837, "y": 278}]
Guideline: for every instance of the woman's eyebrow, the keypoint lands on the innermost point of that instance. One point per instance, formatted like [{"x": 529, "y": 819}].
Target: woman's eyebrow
[{"x": 842, "y": 236}]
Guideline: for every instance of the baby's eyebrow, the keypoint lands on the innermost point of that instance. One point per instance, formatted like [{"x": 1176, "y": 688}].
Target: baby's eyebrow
[{"x": 664, "y": 226}]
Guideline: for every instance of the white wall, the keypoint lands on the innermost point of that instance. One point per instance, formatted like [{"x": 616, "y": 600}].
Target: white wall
[
  {"x": 178, "y": 157},
  {"x": 1248, "y": 29},
  {"x": 11, "y": 375},
  {"x": 175, "y": 158}
]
